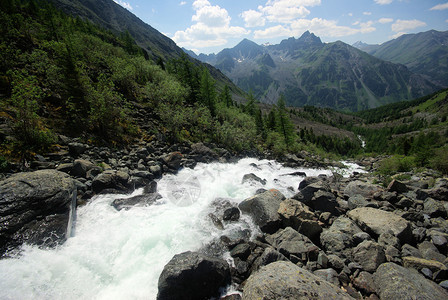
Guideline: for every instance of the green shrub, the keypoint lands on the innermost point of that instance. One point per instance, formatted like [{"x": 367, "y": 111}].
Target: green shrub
[
  {"x": 440, "y": 160},
  {"x": 395, "y": 164}
]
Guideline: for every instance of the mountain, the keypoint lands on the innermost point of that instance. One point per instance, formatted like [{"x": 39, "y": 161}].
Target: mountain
[
  {"x": 423, "y": 53},
  {"x": 365, "y": 47},
  {"x": 309, "y": 72},
  {"x": 112, "y": 16}
]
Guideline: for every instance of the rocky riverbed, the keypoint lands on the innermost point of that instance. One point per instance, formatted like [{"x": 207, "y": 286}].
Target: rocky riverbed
[{"x": 337, "y": 237}]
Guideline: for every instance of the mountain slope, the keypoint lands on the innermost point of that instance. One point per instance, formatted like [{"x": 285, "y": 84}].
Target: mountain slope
[
  {"x": 308, "y": 72},
  {"x": 112, "y": 16},
  {"x": 423, "y": 53}
]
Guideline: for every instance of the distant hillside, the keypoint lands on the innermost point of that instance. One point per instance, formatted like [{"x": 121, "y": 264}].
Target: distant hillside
[
  {"x": 365, "y": 47},
  {"x": 309, "y": 72},
  {"x": 423, "y": 53}
]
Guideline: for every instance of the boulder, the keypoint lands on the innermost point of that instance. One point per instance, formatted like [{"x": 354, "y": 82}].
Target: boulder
[
  {"x": 434, "y": 208},
  {"x": 329, "y": 275},
  {"x": 81, "y": 167},
  {"x": 298, "y": 216},
  {"x": 241, "y": 251},
  {"x": 111, "y": 179},
  {"x": 231, "y": 214},
  {"x": 340, "y": 236},
  {"x": 284, "y": 280},
  {"x": 136, "y": 201},
  {"x": 376, "y": 221},
  {"x": 364, "y": 189},
  {"x": 35, "y": 207},
  {"x": 397, "y": 186},
  {"x": 365, "y": 282},
  {"x": 203, "y": 153},
  {"x": 251, "y": 177},
  {"x": 76, "y": 149},
  {"x": 263, "y": 209},
  {"x": 173, "y": 160},
  {"x": 420, "y": 263},
  {"x": 268, "y": 256},
  {"x": 324, "y": 201},
  {"x": 191, "y": 275},
  {"x": 369, "y": 255},
  {"x": 396, "y": 282},
  {"x": 357, "y": 201},
  {"x": 289, "y": 242}
]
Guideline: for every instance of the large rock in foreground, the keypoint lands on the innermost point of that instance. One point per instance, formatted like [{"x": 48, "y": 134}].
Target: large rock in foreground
[
  {"x": 284, "y": 280},
  {"x": 396, "y": 282},
  {"x": 35, "y": 208},
  {"x": 264, "y": 209},
  {"x": 378, "y": 221},
  {"x": 191, "y": 275}
]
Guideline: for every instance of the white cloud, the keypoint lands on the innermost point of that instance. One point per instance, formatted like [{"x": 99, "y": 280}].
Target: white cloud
[
  {"x": 383, "y": 2},
  {"x": 404, "y": 25},
  {"x": 211, "y": 28},
  {"x": 350, "y": 14},
  {"x": 367, "y": 13},
  {"x": 328, "y": 28},
  {"x": 253, "y": 18},
  {"x": 385, "y": 20},
  {"x": 440, "y": 6},
  {"x": 272, "y": 32},
  {"x": 126, "y": 5},
  {"x": 182, "y": 3}
]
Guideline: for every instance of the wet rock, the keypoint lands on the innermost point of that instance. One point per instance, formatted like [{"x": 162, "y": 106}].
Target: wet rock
[
  {"x": 377, "y": 221},
  {"x": 268, "y": 256},
  {"x": 216, "y": 221},
  {"x": 241, "y": 251},
  {"x": 112, "y": 179},
  {"x": 191, "y": 275},
  {"x": 231, "y": 214},
  {"x": 32, "y": 205},
  {"x": 369, "y": 255},
  {"x": 263, "y": 209},
  {"x": 172, "y": 160},
  {"x": 406, "y": 284},
  {"x": 136, "y": 201},
  {"x": 253, "y": 178},
  {"x": 284, "y": 280}
]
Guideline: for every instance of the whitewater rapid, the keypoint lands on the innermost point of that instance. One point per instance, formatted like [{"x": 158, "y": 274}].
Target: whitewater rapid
[{"x": 120, "y": 254}]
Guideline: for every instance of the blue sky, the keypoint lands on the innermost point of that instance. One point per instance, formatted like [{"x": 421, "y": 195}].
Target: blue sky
[{"x": 211, "y": 25}]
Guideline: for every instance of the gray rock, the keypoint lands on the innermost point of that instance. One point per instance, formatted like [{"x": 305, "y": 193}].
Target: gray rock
[
  {"x": 81, "y": 167},
  {"x": 172, "y": 160},
  {"x": 396, "y": 282},
  {"x": 365, "y": 282},
  {"x": 284, "y": 280},
  {"x": 251, "y": 177},
  {"x": 397, "y": 186},
  {"x": 231, "y": 214},
  {"x": 268, "y": 256},
  {"x": 434, "y": 208},
  {"x": 292, "y": 212},
  {"x": 357, "y": 201},
  {"x": 387, "y": 239},
  {"x": 111, "y": 179},
  {"x": 241, "y": 251},
  {"x": 377, "y": 221},
  {"x": 369, "y": 255},
  {"x": 191, "y": 275},
  {"x": 136, "y": 201},
  {"x": 429, "y": 251},
  {"x": 32, "y": 205},
  {"x": 329, "y": 275},
  {"x": 364, "y": 189},
  {"x": 339, "y": 236},
  {"x": 408, "y": 250},
  {"x": 335, "y": 262},
  {"x": 324, "y": 201},
  {"x": 290, "y": 242},
  {"x": 76, "y": 149},
  {"x": 263, "y": 209}
]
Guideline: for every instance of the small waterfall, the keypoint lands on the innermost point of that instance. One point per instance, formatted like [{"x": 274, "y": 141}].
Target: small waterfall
[{"x": 72, "y": 216}]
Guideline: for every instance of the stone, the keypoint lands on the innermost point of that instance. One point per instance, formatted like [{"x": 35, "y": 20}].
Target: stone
[
  {"x": 387, "y": 239},
  {"x": 420, "y": 263},
  {"x": 172, "y": 160},
  {"x": 32, "y": 205},
  {"x": 365, "y": 282},
  {"x": 430, "y": 252},
  {"x": 136, "y": 201},
  {"x": 397, "y": 186},
  {"x": 241, "y": 251},
  {"x": 191, "y": 275},
  {"x": 289, "y": 242},
  {"x": 284, "y": 280},
  {"x": 434, "y": 208},
  {"x": 81, "y": 167},
  {"x": 111, "y": 179},
  {"x": 156, "y": 170},
  {"x": 369, "y": 255},
  {"x": 364, "y": 189},
  {"x": 396, "y": 282},
  {"x": 376, "y": 221},
  {"x": 76, "y": 149},
  {"x": 231, "y": 214},
  {"x": 329, "y": 275},
  {"x": 408, "y": 250},
  {"x": 339, "y": 236},
  {"x": 292, "y": 212},
  {"x": 268, "y": 256},
  {"x": 335, "y": 262},
  {"x": 357, "y": 201},
  {"x": 263, "y": 208},
  {"x": 251, "y": 177}
]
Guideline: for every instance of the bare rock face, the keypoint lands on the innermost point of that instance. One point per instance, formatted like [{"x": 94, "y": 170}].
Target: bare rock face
[
  {"x": 35, "y": 208},
  {"x": 396, "y": 282},
  {"x": 378, "y": 221},
  {"x": 285, "y": 280}
]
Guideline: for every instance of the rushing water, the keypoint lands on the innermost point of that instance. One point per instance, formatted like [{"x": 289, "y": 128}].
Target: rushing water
[{"x": 120, "y": 254}]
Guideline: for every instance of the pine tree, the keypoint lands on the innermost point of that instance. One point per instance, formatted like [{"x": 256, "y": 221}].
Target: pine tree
[
  {"x": 225, "y": 96},
  {"x": 207, "y": 91},
  {"x": 284, "y": 125}
]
